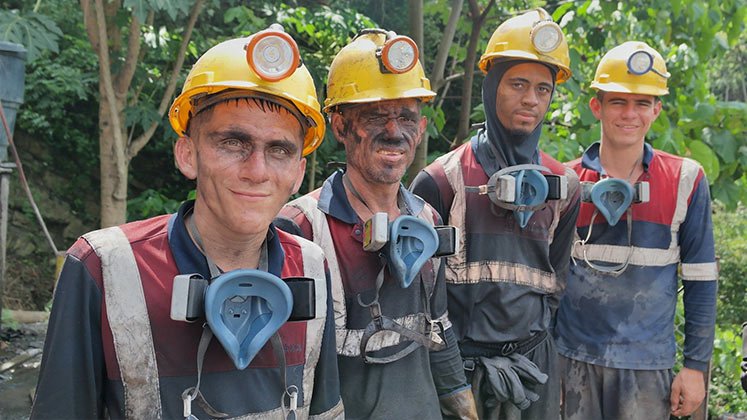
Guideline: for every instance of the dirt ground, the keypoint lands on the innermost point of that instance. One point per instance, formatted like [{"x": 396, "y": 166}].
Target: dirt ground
[{"x": 17, "y": 383}]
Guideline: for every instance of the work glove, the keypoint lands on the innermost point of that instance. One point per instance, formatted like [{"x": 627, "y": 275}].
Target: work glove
[
  {"x": 512, "y": 377},
  {"x": 458, "y": 405}
]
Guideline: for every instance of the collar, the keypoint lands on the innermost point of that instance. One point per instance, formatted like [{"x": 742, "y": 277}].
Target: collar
[
  {"x": 189, "y": 259},
  {"x": 591, "y": 160},
  {"x": 334, "y": 201}
]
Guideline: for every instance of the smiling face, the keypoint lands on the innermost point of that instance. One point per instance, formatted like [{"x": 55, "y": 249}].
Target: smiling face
[
  {"x": 523, "y": 96},
  {"x": 625, "y": 117},
  {"x": 246, "y": 158},
  {"x": 380, "y": 137}
]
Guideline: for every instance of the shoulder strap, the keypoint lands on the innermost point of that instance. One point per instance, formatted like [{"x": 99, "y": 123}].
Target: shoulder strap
[{"x": 128, "y": 319}]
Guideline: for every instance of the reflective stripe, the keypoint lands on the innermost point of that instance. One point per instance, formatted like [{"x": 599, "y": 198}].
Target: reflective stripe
[
  {"x": 651, "y": 257},
  {"x": 700, "y": 271},
  {"x": 506, "y": 272},
  {"x": 322, "y": 237},
  {"x": 688, "y": 174},
  {"x": 313, "y": 267},
  {"x": 456, "y": 264},
  {"x": 350, "y": 340},
  {"x": 127, "y": 313}
]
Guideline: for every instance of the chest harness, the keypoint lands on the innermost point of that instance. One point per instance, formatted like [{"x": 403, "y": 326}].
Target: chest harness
[{"x": 404, "y": 247}]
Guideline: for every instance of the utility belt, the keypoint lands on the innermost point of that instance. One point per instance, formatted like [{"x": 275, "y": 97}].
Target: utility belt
[{"x": 471, "y": 351}]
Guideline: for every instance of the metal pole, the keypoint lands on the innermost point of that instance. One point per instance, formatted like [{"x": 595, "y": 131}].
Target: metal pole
[{"x": 6, "y": 169}]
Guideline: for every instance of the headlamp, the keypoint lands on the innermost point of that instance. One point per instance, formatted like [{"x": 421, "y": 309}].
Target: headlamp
[
  {"x": 399, "y": 54},
  {"x": 642, "y": 62},
  {"x": 546, "y": 36},
  {"x": 272, "y": 54}
]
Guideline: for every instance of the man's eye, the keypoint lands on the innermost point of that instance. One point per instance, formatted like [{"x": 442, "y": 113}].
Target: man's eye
[
  {"x": 544, "y": 89},
  {"x": 234, "y": 143},
  {"x": 377, "y": 119},
  {"x": 277, "y": 150},
  {"x": 405, "y": 120},
  {"x": 518, "y": 85}
]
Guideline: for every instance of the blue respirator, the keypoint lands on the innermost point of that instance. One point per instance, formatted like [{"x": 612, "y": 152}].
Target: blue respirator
[{"x": 523, "y": 189}]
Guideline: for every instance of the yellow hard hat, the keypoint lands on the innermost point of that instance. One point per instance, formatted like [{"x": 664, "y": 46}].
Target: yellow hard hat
[
  {"x": 265, "y": 65},
  {"x": 632, "y": 67},
  {"x": 377, "y": 65},
  {"x": 530, "y": 36}
]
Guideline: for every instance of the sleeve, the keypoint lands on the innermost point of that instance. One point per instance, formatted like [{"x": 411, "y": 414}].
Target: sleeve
[
  {"x": 560, "y": 248},
  {"x": 699, "y": 275},
  {"x": 446, "y": 364},
  {"x": 426, "y": 188},
  {"x": 326, "y": 402},
  {"x": 72, "y": 376}
]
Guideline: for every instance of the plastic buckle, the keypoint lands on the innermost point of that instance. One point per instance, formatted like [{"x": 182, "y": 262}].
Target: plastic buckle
[{"x": 469, "y": 364}]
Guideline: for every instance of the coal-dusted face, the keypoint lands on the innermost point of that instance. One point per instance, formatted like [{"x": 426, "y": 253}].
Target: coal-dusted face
[{"x": 380, "y": 137}]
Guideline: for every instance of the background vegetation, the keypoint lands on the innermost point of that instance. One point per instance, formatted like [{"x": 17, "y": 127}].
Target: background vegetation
[{"x": 59, "y": 126}]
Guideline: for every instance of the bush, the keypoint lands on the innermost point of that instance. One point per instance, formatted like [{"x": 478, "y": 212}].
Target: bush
[{"x": 730, "y": 233}]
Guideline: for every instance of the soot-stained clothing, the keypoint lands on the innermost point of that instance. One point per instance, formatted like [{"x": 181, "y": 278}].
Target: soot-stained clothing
[
  {"x": 627, "y": 321},
  {"x": 504, "y": 284},
  {"x": 80, "y": 374},
  {"x": 407, "y": 388}
]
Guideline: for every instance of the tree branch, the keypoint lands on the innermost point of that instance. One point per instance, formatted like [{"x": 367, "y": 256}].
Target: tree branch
[
  {"x": 124, "y": 78},
  {"x": 144, "y": 138},
  {"x": 437, "y": 75},
  {"x": 106, "y": 78},
  {"x": 89, "y": 21}
]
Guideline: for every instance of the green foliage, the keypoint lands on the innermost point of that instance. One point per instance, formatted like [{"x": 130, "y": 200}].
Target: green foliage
[
  {"x": 36, "y": 32},
  {"x": 694, "y": 123},
  {"x": 726, "y": 394},
  {"x": 7, "y": 320},
  {"x": 730, "y": 234},
  {"x": 150, "y": 203}
]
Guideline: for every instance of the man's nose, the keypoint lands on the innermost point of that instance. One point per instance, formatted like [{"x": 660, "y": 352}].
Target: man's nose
[{"x": 254, "y": 167}]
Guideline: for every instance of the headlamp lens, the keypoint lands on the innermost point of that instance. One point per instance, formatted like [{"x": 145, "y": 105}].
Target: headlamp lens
[
  {"x": 640, "y": 62},
  {"x": 399, "y": 54},
  {"x": 273, "y": 55},
  {"x": 546, "y": 37}
]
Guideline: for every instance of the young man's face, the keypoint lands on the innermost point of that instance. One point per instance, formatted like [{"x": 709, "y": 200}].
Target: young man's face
[
  {"x": 625, "y": 117},
  {"x": 523, "y": 96},
  {"x": 380, "y": 137},
  {"x": 247, "y": 163}
]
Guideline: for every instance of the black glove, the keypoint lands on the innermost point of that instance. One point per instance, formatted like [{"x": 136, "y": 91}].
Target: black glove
[{"x": 509, "y": 377}]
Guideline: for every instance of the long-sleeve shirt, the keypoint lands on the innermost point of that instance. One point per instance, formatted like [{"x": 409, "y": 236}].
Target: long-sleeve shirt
[{"x": 627, "y": 321}]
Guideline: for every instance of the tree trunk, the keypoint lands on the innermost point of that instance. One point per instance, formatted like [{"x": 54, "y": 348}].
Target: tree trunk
[
  {"x": 114, "y": 169},
  {"x": 416, "y": 30},
  {"x": 477, "y": 18}
]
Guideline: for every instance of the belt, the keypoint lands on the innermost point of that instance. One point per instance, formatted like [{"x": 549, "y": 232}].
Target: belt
[{"x": 472, "y": 349}]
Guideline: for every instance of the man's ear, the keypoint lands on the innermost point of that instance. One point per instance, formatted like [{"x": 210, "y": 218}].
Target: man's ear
[
  {"x": 337, "y": 124},
  {"x": 596, "y": 107},
  {"x": 421, "y": 129},
  {"x": 185, "y": 155},
  {"x": 657, "y": 108}
]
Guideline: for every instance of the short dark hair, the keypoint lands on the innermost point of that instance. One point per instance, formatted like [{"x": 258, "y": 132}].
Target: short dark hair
[{"x": 263, "y": 104}]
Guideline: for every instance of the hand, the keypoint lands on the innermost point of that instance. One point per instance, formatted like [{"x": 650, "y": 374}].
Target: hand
[{"x": 688, "y": 392}]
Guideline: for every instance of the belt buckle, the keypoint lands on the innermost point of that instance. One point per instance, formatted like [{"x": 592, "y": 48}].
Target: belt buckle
[
  {"x": 508, "y": 349},
  {"x": 469, "y": 365}
]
